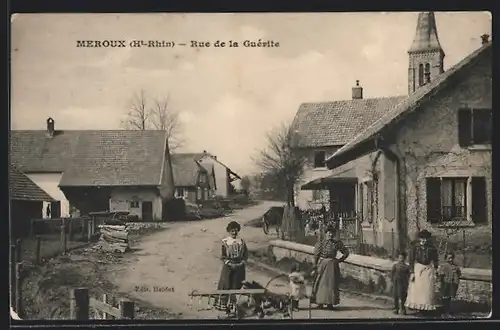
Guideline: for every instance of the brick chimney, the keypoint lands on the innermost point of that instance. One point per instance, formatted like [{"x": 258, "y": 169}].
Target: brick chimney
[
  {"x": 357, "y": 91},
  {"x": 485, "y": 39},
  {"x": 50, "y": 127}
]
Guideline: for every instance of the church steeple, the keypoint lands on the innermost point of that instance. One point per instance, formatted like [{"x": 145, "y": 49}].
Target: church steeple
[{"x": 426, "y": 56}]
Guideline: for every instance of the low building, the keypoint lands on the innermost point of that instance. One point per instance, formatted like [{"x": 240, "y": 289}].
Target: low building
[
  {"x": 26, "y": 200},
  {"x": 224, "y": 176}
]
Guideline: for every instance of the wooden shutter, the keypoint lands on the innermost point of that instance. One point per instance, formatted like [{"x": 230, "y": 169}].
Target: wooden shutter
[
  {"x": 479, "y": 203},
  {"x": 464, "y": 127},
  {"x": 433, "y": 200}
]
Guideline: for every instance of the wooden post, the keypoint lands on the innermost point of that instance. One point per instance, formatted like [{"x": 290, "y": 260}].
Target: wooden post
[
  {"x": 38, "y": 250},
  {"x": 89, "y": 229},
  {"x": 392, "y": 242},
  {"x": 63, "y": 236},
  {"x": 19, "y": 291},
  {"x": 19, "y": 250},
  {"x": 70, "y": 229},
  {"x": 32, "y": 227},
  {"x": 463, "y": 235},
  {"x": 127, "y": 309},
  {"x": 13, "y": 275},
  {"x": 104, "y": 300},
  {"x": 79, "y": 304},
  {"x": 83, "y": 226}
]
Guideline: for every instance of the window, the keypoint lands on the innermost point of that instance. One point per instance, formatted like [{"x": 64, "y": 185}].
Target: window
[
  {"x": 134, "y": 204},
  {"x": 180, "y": 192},
  {"x": 319, "y": 159},
  {"x": 447, "y": 199},
  {"x": 427, "y": 73},
  {"x": 420, "y": 74},
  {"x": 203, "y": 178},
  {"x": 474, "y": 126},
  {"x": 316, "y": 195}
]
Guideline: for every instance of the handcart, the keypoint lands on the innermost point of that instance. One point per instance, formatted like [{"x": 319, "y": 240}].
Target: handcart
[{"x": 263, "y": 300}]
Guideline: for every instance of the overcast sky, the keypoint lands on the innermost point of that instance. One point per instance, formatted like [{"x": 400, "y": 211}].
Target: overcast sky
[{"x": 227, "y": 97}]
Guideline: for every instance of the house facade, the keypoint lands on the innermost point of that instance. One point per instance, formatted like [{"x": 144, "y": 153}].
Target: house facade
[
  {"x": 193, "y": 181},
  {"x": 426, "y": 164},
  {"x": 224, "y": 176},
  {"x": 322, "y": 128}
]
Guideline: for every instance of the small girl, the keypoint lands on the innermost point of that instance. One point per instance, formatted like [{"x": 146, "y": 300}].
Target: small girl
[
  {"x": 297, "y": 286},
  {"x": 449, "y": 275}
]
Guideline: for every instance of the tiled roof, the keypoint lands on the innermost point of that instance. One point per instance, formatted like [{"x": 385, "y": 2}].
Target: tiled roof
[
  {"x": 117, "y": 158},
  {"x": 88, "y": 158},
  {"x": 409, "y": 104},
  {"x": 335, "y": 123},
  {"x": 22, "y": 188},
  {"x": 186, "y": 169}
]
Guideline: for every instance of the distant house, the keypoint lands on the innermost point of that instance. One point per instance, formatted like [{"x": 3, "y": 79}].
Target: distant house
[
  {"x": 224, "y": 176},
  {"x": 89, "y": 170},
  {"x": 26, "y": 201},
  {"x": 193, "y": 181}
]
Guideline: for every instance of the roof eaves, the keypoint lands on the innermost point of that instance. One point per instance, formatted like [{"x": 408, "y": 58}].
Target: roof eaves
[{"x": 165, "y": 147}]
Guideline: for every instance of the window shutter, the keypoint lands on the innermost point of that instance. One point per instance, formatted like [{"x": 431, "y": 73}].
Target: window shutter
[
  {"x": 464, "y": 127},
  {"x": 433, "y": 200},
  {"x": 479, "y": 203}
]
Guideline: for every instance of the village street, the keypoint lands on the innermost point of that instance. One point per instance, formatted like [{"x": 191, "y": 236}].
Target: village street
[{"x": 184, "y": 257}]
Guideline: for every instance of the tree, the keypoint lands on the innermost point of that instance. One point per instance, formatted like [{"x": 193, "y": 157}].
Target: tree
[
  {"x": 245, "y": 184},
  {"x": 145, "y": 114},
  {"x": 281, "y": 160}
]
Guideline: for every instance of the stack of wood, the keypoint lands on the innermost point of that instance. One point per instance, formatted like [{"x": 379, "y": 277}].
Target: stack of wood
[{"x": 114, "y": 238}]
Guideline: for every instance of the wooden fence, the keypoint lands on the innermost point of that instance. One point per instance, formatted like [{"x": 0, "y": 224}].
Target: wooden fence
[{"x": 81, "y": 303}]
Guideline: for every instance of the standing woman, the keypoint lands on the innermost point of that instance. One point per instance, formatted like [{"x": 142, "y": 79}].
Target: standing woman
[
  {"x": 234, "y": 254},
  {"x": 423, "y": 267},
  {"x": 327, "y": 278}
]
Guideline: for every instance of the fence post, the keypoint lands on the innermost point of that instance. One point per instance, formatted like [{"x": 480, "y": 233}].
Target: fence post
[
  {"x": 463, "y": 236},
  {"x": 63, "y": 236},
  {"x": 19, "y": 291},
  {"x": 104, "y": 300},
  {"x": 127, "y": 309},
  {"x": 89, "y": 229},
  {"x": 392, "y": 243},
  {"x": 19, "y": 250},
  {"x": 79, "y": 304},
  {"x": 70, "y": 229},
  {"x": 38, "y": 249},
  {"x": 12, "y": 275}
]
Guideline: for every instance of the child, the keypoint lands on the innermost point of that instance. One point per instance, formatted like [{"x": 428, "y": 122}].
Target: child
[
  {"x": 449, "y": 275},
  {"x": 400, "y": 278},
  {"x": 297, "y": 286}
]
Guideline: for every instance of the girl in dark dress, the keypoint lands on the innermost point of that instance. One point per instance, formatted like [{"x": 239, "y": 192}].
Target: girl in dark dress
[
  {"x": 327, "y": 278},
  {"x": 234, "y": 254}
]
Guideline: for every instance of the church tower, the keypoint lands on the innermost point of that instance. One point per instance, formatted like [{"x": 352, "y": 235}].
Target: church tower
[{"x": 425, "y": 54}]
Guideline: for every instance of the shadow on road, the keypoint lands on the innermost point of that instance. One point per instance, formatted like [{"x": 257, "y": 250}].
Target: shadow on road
[{"x": 352, "y": 308}]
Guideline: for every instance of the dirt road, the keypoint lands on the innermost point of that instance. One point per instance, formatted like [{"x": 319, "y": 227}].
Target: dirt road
[{"x": 167, "y": 266}]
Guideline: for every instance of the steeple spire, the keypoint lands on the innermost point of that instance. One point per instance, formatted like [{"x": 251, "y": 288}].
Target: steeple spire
[
  {"x": 426, "y": 57},
  {"x": 426, "y": 36}
]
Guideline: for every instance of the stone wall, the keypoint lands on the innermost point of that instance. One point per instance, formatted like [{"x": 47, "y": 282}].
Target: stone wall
[{"x": 475, "y": 284}]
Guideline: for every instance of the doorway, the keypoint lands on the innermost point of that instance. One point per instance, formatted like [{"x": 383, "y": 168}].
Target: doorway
[{"x": 147, "y": 211}]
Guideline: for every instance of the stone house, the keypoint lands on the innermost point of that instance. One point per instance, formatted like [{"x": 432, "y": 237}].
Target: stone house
[{"x": 426, "y": 163}]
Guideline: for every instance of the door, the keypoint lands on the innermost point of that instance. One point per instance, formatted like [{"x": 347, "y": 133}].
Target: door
[
  {"x": 55, "y": 210},
  {"x": 147, "y": 211}
]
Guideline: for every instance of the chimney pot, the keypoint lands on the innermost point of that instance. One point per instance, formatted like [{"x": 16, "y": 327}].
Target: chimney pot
[
  {"x": 50, "y": 126},
  {"x": 357, "y": 92},
  {"x": 485, "y": 38}
]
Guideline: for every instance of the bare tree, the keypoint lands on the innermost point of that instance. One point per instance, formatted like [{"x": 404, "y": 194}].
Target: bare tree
[
  {"x": 281, "y": 160},
  {"x": 138, "y": 115},
  {"x": 158, "y": 116}
]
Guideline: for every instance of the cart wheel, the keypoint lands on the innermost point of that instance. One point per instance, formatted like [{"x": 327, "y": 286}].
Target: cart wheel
[{"x": 265, "y": 227}]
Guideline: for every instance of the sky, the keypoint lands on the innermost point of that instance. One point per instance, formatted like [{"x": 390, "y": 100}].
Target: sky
[{"x": 227, "y": 98}]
